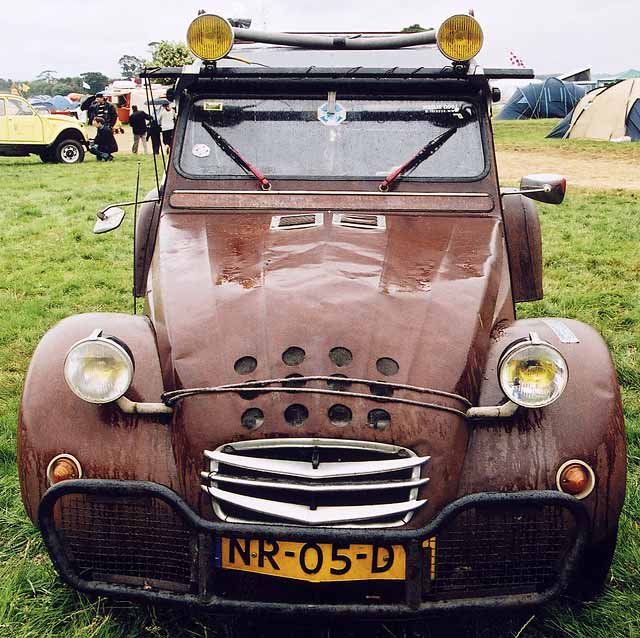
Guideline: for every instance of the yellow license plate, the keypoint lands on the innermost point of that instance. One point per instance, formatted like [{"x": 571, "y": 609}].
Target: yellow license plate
[{"x": 313, "y": 562}]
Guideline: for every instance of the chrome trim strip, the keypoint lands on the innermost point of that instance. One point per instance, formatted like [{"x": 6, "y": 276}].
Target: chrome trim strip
[
  {"x": 325, "y": 471},
  {"x": 321, "y": 516},
  {"x": 304, "y": 487}
]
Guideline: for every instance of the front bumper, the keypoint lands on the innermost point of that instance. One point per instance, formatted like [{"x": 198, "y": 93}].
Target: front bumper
[{"x": 139, "y": 540}]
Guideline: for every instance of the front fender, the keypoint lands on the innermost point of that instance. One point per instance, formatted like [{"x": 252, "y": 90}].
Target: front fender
[
  {"x": 524, "y": 452},
  {"x": 107, "y": 442}
]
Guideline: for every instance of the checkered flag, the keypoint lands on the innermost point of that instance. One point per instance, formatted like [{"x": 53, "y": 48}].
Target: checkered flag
[{"x": 515, "y": 60}]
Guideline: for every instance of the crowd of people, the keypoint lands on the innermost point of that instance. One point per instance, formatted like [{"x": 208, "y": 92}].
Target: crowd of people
[{"x": 157, "y": 128}]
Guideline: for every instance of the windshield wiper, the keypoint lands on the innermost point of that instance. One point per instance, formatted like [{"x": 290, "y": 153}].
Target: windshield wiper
[
  {"x": 424, "y": 153},
  {"x": 226, "y": 147}
]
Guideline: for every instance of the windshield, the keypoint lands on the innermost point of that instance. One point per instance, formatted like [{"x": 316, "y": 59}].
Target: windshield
[{"x": 331, "y": 138}]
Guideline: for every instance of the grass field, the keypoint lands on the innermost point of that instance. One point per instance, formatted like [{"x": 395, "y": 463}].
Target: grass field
[{"x": 51, "y": 266}]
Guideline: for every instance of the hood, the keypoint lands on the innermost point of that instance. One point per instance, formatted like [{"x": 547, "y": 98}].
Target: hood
[
  {"x": 63, "y": 118},
  {"x": 411, "y": 303},
  {"x": 418, "y": 287}
]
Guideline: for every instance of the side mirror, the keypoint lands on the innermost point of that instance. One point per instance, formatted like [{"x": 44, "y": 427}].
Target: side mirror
[
  {"x": 549, "y": 189},
  {"x": 108, "y": 219}
]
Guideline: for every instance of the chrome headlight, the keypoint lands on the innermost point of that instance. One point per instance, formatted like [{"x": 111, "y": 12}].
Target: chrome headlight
[
  {"x": 98, "y": 370},
  {"x": 532, "y": 373}
]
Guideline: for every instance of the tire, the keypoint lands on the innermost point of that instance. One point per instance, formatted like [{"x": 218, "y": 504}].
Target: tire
[
  {"x": 47, "y": 156},
  {"x": 592, "y": 576},
  {"x": 69, "y": 152}
]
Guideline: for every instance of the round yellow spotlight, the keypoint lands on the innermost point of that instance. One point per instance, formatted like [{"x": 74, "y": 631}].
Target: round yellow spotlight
[
  {"x": 210, "y": 37},
  {"x": 460, "y": 38}
]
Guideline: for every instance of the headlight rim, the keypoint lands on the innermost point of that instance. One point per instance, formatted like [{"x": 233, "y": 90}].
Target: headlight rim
[
  {"x": 532, "y": 340},
  {"x": 119, "y": 346}
]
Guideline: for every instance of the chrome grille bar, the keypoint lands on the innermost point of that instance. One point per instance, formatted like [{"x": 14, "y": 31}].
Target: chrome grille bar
[
  {"x": 324, "y": 516},
  {"x": 309, "y": 481},
  {"x": 307, "y": 471},
  {"x": 304, "y": 487}
]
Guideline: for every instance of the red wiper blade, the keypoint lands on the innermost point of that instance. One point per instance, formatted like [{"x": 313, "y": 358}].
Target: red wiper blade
[
  {"x": 226, "y": 147},
  {"x": 425, "y": 152}
]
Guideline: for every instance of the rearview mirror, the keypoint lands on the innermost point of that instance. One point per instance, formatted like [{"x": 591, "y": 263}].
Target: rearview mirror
[
  {"x": 108, "y": 219},
  {"x": 549, "y": 189}
]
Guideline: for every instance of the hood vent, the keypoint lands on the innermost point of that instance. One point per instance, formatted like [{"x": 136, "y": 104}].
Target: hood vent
[
  {"x": 292, "y": 222},
  {"x": 356, "y": 220}
]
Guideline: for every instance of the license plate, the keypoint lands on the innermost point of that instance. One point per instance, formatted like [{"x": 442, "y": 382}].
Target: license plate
[{"x": 313, "y": 562}]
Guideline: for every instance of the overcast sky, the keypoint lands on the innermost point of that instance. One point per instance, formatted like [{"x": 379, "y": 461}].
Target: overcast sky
[{"x": 74, "y": 36}]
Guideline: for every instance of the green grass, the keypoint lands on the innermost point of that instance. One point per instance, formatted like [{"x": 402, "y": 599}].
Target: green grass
[
  {"x": 51, "y": 266},
  {"x": 530, "y": 136}
]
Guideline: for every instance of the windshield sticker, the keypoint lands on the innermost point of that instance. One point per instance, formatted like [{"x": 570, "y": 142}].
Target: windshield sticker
[
  {"x": 212, "y": 106},
  {"x": 338, "y": 116},
  {"x": 201, "y": 150}
]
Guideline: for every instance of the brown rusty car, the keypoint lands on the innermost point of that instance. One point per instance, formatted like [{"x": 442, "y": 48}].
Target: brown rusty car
[{"x": 329, "y": 406}]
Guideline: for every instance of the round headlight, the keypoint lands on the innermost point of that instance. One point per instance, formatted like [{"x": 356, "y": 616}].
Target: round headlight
[
  {"x": 532, "y": 374},
  {"x": 98, "y": 370},
  {"x": 210, "y": 37},
  {"x": 460, "y": 38}
]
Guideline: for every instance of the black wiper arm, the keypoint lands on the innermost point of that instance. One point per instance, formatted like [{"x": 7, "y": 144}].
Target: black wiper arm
[
  {"x": 226, "y": 148},
  {"x": 424, "y": 153}
]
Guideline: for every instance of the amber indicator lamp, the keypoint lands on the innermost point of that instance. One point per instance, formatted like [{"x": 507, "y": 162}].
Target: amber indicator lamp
[
  {"x": 63, "y": 467},
  {"x": 576, "y": 478}
]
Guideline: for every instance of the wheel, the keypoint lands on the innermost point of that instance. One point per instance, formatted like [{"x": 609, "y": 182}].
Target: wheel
[
  {"x": 591, "y": 577},
  {"x": 69, "y": 152}
]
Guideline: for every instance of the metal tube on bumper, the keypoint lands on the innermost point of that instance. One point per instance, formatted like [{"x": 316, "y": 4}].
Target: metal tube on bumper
[{"x": 195, "y": 587}]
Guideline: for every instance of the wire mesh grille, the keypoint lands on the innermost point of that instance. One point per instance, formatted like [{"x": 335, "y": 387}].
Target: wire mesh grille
[
  {"x": 491, "y": 550},
  {"x": 133, "y": 541}
]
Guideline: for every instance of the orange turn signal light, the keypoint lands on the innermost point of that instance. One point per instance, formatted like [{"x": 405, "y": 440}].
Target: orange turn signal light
[
  {"x": 576, "y": 478},
  {"x": 63, "y": 467}
]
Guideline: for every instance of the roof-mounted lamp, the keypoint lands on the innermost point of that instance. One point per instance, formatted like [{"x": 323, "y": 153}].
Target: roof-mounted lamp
[
  {"x": 460, "y": 38},
  {"x": 210, "y": 37}
]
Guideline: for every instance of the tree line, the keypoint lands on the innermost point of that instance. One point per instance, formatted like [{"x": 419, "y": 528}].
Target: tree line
[{"x": 164, "y": 53}]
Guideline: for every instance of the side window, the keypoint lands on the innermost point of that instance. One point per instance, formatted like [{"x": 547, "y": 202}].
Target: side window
[
  {"x": 2, "y": 111},
  {"x": 16, "y": 107}
]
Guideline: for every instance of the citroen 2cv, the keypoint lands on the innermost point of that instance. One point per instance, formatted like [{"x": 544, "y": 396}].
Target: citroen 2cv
[{"x": 329, "y": 406}]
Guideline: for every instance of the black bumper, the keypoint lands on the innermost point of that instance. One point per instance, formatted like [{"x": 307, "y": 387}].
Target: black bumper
[{"x": 139, "y": 540}]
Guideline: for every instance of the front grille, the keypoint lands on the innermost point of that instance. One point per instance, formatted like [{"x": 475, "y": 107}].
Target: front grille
[
  {"x": 314, "y": 482},
  {"x": 495, "y": 550},
  {"x": 141, "y": 541}
]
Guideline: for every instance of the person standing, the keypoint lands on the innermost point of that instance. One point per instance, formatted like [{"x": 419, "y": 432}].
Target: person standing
[
  {"x": 138, "y": 124},
  {"x": 104, "y": 143},
  {"x": 167, "y": 122},
  {"x": 105, "y": 110}
]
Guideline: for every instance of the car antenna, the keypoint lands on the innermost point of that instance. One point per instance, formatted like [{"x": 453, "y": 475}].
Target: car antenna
[{"x": 135, "y": 219}]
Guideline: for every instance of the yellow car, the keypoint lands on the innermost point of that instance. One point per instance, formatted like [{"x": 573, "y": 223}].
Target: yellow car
[{"x": 23, "y": 131}]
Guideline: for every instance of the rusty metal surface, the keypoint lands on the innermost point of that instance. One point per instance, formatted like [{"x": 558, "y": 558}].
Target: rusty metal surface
[
  {"x": 524, "y": 243},
  {"x": 107, "y": 442}
]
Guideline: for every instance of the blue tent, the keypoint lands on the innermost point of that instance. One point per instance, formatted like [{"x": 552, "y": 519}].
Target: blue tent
[
  {"x": 551, "y": 98},
  {"x": 62, "y": 103}
]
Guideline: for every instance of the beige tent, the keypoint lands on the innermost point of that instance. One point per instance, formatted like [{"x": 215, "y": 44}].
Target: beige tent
[{"x": 610, "y": 113}]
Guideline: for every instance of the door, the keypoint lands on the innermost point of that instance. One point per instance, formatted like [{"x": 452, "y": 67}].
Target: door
[
  {"x": 4, "y": 125},
  {"x": 24, "y": 124}
]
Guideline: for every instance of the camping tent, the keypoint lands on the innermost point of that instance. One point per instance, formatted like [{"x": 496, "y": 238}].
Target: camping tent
[
  {"x": 609, "y": 113},
  {"x": 552, "y": 98}
]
